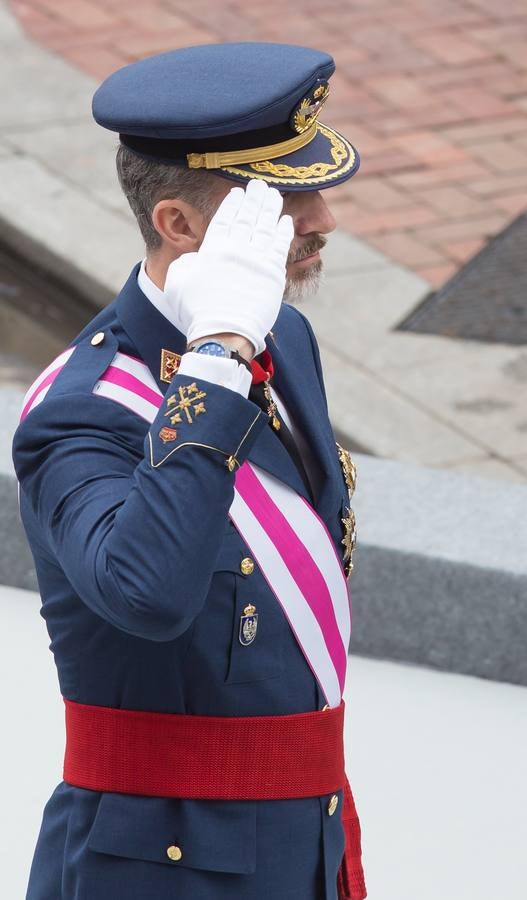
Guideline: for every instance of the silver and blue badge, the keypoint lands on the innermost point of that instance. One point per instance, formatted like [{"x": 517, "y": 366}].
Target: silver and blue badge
[{"x": 248, "y": 625}]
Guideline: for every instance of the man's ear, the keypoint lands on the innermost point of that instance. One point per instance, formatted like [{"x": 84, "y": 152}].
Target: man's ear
[{"x": 179, "y": 224}]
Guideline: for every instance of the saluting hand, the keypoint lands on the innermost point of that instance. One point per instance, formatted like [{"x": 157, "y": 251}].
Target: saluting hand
[{"x": 235, "y": 282}]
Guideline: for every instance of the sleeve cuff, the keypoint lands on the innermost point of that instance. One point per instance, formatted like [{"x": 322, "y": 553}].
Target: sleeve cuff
[
  {"x": 203, "y": 414},
  {"x": 224, "y": 372}
]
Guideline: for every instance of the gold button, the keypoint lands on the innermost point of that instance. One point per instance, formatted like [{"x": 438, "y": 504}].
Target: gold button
[
  {"x": 247, "y": 566},
  {"x": 332, "y": 805},
  {"x": 97, "y": 339},
  {"x": 174, "y": 853}
]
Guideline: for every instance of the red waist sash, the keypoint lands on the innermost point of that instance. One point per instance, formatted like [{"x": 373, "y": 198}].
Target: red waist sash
[
  {"x": 204, "y": 757},
  {"x": 215, "y": 758}
]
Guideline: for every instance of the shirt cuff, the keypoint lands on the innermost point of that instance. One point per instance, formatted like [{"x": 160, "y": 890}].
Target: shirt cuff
[{"x": 218, "y": 370}]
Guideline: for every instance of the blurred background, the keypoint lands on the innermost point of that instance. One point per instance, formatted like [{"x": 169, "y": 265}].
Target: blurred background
[{"x": 422, "y": 324}]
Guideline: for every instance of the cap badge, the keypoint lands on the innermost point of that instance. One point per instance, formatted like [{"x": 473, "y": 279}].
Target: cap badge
[
  {"x": 248, "y": 625},
  {"x": 306, "y": 111}
]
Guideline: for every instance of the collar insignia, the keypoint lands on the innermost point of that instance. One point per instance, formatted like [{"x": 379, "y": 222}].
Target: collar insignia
[{"x": 169, "y": 365}]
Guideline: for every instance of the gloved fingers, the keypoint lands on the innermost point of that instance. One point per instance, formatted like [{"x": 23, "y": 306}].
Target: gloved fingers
[
  {"x": 221, "y": 222},
  {"x": 284, "y": 234},
  {"x": 266, "y": 224},
  {"x": 248, "y": 212},
  {"x": 179, "y": 269}
]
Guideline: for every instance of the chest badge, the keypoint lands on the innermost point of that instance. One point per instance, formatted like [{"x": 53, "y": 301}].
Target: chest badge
[{"x": 248, "y": 625}]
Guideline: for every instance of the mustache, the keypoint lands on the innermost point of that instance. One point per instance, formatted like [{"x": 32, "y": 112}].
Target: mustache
[{"x": 317, "y": 242}]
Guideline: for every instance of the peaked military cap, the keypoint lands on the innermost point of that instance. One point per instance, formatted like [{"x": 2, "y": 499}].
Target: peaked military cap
[{"x": 244, "y": 110}]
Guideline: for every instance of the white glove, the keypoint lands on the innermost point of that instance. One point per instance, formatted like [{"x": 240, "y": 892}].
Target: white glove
[{"x": 235, "y": 282}]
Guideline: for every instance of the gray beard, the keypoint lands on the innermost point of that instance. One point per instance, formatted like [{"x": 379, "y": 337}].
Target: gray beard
[{"x": 304, "y": 286}]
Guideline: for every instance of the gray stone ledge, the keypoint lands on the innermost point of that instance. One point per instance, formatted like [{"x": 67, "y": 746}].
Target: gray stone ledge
[
  {"x": 441, "y": 572},
  {"x": 443, "y": 614}
]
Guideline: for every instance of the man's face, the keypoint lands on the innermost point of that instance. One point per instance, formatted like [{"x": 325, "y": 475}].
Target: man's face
[{"x": 312, "y": 219}]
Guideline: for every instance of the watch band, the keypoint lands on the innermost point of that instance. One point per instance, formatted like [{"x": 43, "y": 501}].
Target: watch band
[
  {"x": 229, "y": 352},
  {"x": 241, "y": 360}
]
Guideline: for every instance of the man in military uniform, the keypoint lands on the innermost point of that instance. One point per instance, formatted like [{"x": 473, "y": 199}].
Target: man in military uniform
[{"x": 189, "y": 511}]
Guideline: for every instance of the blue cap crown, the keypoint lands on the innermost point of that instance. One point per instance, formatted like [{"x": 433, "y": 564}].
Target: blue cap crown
[{"x": 245, "y": 110}]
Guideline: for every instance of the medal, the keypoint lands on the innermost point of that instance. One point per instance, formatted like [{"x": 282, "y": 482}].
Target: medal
[
  {"x": 349, "y": 540},
  {"x": 271, "y": 407}
]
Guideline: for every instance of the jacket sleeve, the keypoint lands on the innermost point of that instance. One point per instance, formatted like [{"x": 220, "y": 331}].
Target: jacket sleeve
[{"x": 137, "y": 535}]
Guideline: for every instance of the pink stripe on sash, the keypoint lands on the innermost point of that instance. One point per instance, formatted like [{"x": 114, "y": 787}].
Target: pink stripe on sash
[
  {"x": 299, "y": 562},
  {"x": 131, "y": 383},
  {"x": 313, "y": 511},
  {"x": 49, "y": 379}
]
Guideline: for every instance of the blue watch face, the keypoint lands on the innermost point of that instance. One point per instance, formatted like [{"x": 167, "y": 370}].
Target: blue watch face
[{"x": 212, "y": 348}]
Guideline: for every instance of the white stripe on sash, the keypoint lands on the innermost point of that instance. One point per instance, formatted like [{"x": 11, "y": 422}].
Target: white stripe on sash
[{"x": 129, "y": 382}]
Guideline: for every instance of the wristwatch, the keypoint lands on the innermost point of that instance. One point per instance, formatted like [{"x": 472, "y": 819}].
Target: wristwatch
[{"x": 217, "y": 348}]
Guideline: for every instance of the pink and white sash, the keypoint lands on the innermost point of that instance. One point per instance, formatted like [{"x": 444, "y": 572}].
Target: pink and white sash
[
  {"x": 299, "y": 561},
  {"x": 290, "y": 542}
]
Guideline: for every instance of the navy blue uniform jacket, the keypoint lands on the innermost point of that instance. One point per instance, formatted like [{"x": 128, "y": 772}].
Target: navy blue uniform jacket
[{"x": 139, "y": 570}]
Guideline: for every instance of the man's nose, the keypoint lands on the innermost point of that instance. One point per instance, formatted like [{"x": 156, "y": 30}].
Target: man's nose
[{"x": 313, "y": 214}]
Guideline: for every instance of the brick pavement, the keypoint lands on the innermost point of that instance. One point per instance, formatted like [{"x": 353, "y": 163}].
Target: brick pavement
[{"x": 434, "y": 95}]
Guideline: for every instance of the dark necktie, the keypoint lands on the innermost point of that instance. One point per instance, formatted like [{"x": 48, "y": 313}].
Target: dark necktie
[{"x": 260, "y": 394}]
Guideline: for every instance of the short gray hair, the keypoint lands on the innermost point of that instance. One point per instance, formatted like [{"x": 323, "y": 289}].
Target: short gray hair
[{"x": 145, "y": 182}]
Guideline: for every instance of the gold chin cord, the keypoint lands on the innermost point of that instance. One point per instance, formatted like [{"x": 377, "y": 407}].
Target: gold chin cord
[{"x": 254, "y": 154}]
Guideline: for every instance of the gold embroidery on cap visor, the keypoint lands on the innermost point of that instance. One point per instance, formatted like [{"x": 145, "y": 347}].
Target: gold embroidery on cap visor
[{"x": 343, "y": 159}]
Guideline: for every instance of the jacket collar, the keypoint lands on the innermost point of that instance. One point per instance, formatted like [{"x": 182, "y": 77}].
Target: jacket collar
[{"x": 149, "y": 330}]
